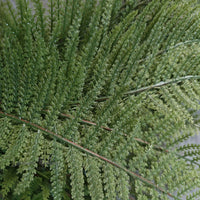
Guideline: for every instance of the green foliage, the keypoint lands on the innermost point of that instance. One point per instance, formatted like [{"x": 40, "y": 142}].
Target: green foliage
[{"x": 96, "y": 98}]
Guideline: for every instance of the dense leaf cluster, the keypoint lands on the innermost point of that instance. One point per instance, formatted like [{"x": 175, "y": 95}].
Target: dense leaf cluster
[{"x": 96, "y": 97}]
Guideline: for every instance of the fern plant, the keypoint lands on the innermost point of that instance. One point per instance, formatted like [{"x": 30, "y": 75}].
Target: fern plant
[{"x": 96, "y": 97}]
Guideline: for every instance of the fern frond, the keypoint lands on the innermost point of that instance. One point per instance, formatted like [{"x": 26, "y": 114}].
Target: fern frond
[
  {"x": 109, "y": 179},
  {"x": 10, "y": 179},
  {"x": 57, "y": 171},
  {"x": 75, "y": 164},
  {"x": 122, "y": 186},
  {"x": 16, "y": 146},
  {"x": 30, "y": 158},
  {"x": 94, "y": 178}
]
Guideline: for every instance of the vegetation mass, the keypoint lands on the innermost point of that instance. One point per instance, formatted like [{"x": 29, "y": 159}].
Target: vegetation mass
[{"x": 96, "y": 98}]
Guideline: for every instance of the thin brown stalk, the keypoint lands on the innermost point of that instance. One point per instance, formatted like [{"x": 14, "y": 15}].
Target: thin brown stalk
[
  {"x": 87, "y": 151},
  {"x": 156, "y": 147},
  {"x": 109, "y": 129}
]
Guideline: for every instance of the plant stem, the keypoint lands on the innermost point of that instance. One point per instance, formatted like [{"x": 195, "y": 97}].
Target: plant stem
[
  {"x": 87, "y": 151},
  {"x": 157, "y": 85}
]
